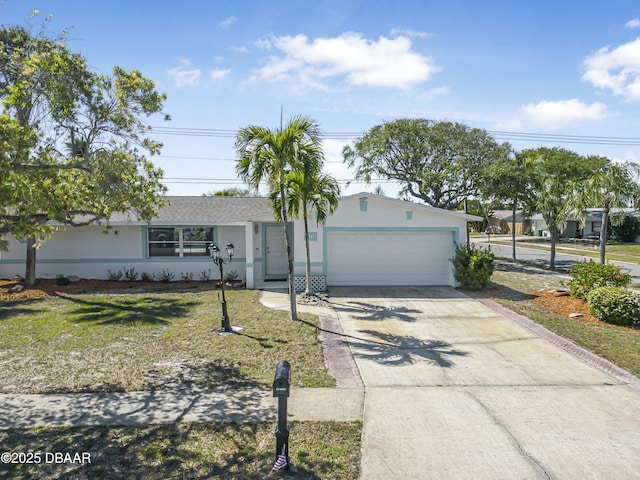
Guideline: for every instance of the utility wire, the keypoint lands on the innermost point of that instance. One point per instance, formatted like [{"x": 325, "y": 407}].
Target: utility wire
[{"x": 497, "y": 134}]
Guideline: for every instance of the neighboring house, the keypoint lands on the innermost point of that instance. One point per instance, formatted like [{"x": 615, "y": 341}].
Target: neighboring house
[
  {"x": 369, "y": 240},
  {"x": 503, "y": 219},
  {"x": 572, "y": 228}
]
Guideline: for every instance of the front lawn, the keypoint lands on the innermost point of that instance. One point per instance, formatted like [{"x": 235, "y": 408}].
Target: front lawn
[
  {"x": 155, "y": 337},
  {"x": 151, "y": 338},
  {"x": 320, "y": 450}
]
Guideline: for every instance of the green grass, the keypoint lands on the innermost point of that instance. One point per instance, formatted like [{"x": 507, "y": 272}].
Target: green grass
[
  {"x": 320, "y": 450},
  {"x": 124, "y": 341},
  {"x": 512, "y": 289}
]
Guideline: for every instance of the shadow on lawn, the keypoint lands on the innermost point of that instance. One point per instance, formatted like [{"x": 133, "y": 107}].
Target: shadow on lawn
[
  {"x": 19, "y": 307},
  {"x": 156, "y": 451},
  {"x": 147, "y": 310}
]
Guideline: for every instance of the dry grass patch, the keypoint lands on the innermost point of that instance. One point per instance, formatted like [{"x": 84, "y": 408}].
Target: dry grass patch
[
  {"x": 151, "y": 338},
  {"x": 320, "y": 450}
]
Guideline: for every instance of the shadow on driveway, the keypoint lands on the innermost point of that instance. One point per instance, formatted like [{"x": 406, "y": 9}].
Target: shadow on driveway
[
  {"x": 368, "y": 311},
  {"x": 396, "y": 350}
]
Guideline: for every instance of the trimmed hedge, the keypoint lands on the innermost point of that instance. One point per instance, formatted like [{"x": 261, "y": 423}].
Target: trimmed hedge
[
  {"x": 585, "y": 276},
  {"x": 618, "y": 306},
  {"x": 472, "y": 266}
]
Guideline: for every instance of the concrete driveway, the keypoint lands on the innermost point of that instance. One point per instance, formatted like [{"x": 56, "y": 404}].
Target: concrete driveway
[{"x": 456, "y": 390}]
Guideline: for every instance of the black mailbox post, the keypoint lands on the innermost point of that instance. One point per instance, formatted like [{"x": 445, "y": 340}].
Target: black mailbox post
[
  {"x": 281, "y": 390},
  {"x": 282, "y": 379}
]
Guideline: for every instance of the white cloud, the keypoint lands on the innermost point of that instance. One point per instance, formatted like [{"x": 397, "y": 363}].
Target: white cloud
[
  {"x": 556, "y": 114},
  {"x": 396, "y": 32},
  {"x": 433, "y": 93},
  {"x": 184, "y": 76},
  {"x": 387, "y": 63},
  {"x": 616, "y": 69},
  {"x": 218, "y": 74},
  {"x": 634, "y": 23},
  {"x": 227, "y": 22}
]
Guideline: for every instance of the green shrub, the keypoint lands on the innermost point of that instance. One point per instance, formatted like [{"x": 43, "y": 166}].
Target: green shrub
[
  {"x": 585, "y": 276},
  {"x": 472, "y": 266},
  {"x": 614, "y": 305},
  {"x": 628, "y": 231},
  {"x": 130, "y": 274},
  {"x": 61, "y": 281}
]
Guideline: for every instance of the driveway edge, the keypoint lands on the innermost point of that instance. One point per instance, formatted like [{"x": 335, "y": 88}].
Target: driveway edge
[{"x": 571, "y": 348}]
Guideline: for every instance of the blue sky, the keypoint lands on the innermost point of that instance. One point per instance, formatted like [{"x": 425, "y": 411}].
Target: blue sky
[{"x": 567, "y": 70}]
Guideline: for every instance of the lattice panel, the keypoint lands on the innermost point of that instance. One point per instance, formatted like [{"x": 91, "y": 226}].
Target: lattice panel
[{"x": 318, "y": 282}]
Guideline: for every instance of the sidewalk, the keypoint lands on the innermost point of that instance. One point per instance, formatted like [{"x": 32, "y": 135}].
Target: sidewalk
[{"x": 144, "y": 408}]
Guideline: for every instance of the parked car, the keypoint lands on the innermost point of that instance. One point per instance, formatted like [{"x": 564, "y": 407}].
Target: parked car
[{"x": 596, "y": 236}]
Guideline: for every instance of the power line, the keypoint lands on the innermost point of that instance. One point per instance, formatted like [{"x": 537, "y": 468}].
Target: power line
[
  {"x": 237, "y": 181},
  {"x": 497, "y": 134}
]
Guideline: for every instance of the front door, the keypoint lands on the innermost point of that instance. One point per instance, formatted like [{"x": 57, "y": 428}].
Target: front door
[{"x": 276, "y": 253}]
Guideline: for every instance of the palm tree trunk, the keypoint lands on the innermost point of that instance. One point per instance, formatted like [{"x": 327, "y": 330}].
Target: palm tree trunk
[
  {"x": 30, "y": 272},
  {"x": 287, "y": 239},
  {"x": 513, "y": 228},
  {"x": 554, "y": 239},
  {"x": 603, "y": 233},
  {"x": 309, "y": 289}
]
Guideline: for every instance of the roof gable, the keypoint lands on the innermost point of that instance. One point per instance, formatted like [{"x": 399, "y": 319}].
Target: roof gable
[{"x": 413, "y": 205}]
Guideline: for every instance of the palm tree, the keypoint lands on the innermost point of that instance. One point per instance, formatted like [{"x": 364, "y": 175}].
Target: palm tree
[
  {"x": 269, "y": 155},
  {"x": 308, "y": 189},
  {"x": 612, "y": 187}
]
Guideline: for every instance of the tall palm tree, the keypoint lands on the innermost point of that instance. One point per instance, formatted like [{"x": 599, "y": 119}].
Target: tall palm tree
[
  {"x": 611, "y": 187},
  {"x": 308, "y": 189},
  {"x": 266, "y": 154}
]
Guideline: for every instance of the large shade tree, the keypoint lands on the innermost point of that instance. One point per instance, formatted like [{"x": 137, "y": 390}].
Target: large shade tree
[
  {"x": 509, "y": 180},
  {"x": 440, "y": 163},
  {"x": 270, "y": 155},
  {"x": 612, "y": 187},
  {"x": 73, "y": 143}
]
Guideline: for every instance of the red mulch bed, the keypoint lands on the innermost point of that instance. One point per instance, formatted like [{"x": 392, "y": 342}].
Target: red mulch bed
[
  {"x": 47, "y": 288},
  {"x": 565, "y": 305}
]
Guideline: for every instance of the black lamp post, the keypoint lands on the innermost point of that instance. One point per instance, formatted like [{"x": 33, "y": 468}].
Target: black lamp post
[{"x": 214, "y": 251}]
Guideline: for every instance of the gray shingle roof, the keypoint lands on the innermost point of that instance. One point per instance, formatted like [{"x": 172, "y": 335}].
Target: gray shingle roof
[{"x": 197, "y": 210}]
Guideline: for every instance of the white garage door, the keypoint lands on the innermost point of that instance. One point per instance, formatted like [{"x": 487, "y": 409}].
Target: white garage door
[{"x": 389, "y": 258}]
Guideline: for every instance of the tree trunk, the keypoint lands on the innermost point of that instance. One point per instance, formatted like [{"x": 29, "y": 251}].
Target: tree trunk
[
  {"x": 513, "y": 228},
  {"x": 466, "y": 210},
  {"x": 554, "y": 239},
  {"x": 309, "y": 289},
  {"x": 287, "y": 239},
  {"x": 603, "y": 233},
  {"x": 30, "y": 273}
]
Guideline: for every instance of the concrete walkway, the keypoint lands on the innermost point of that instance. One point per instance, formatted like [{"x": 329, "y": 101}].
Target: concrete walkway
[{"x": 446, "y": 387}]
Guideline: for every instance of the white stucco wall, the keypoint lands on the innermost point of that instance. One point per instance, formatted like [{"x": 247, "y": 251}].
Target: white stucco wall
[
  {"x": 89, "y": 253},
  {"x": 380, "y": 214}
]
